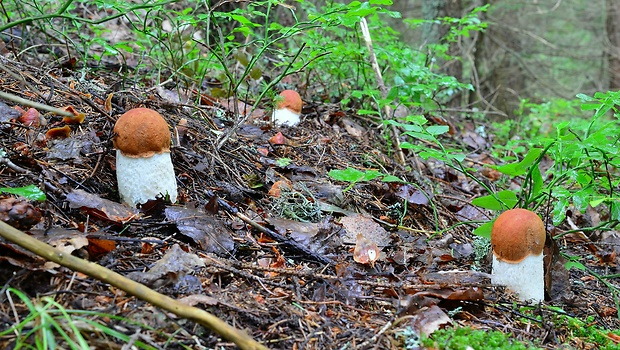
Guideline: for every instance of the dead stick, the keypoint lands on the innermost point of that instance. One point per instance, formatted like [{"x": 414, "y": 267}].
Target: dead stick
[
  {"x": 284, "y": 240},
  {"x": 134, "y": 288},
  {"x": 381, "y": 84},
  {"x": 38, "y": 105},
  {"x": 294, "y": 245}
]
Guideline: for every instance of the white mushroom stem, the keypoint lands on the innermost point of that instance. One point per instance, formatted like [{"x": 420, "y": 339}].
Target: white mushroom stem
[
  {"x": 286, "y": 117},
  {"x": 525, "y": 278},
  {"x": 144, "y": 178}
]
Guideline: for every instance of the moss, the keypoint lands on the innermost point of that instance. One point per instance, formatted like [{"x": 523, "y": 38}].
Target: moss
[{"x": 463, "y": 337}]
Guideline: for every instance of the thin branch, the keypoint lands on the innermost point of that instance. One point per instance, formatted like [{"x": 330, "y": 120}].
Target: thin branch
[
  {"x": 25, "y": 102},
  {"x": 382, "y": 88},
  {"x": 10, "y": 164},
  {"x": 134, "y": 288}
]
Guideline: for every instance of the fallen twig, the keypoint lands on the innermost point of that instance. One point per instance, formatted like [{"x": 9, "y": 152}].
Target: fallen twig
[
  {"x": 283, "y": 240},
  {"x": 274, "y": 235},
  {"x": 134, "y": 288},
  {"x": 37, "y": 105},
  {"x": 7, "y": 161}
]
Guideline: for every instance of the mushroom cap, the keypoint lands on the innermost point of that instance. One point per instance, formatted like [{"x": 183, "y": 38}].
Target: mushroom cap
[
  {"x": 141, "y": 132},
  {"x": 517, "y": 234},
  {"x": 291, "y": 100}
]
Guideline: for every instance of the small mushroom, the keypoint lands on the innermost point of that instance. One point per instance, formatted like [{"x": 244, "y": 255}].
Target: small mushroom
[
  {"x": 288, "y": 109},
  {"x": 143, "y": 165},
  {"x": 517, "y": 239}
]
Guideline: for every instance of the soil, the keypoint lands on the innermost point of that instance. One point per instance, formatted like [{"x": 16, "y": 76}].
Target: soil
[{"x": 293, "y": 257}]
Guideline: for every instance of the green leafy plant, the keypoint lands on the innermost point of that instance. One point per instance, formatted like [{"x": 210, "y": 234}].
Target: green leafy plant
[
  {"x": 30, "y": 192},
  {"x": 339, "y": 32},
  {"x": 353, "y": 176},
  {"x": 581, "y": 332},
  {"x": 59, "y": 22},
  {"x": 415, "y": 126},
  {"x": 586, "y": 330},
  {"x": 584, "y": 155},
  {"x": 413, "y": 83}
]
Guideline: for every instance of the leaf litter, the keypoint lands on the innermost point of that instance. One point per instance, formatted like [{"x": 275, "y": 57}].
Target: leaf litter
[{"x": 388, "y": 262}]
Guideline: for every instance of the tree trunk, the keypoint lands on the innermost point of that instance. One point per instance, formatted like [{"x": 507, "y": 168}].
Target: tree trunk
[
  {"x": 612, "y": 24},
  {"x": 434, "y": 33}
]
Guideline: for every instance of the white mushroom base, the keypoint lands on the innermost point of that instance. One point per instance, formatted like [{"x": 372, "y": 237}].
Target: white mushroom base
[
  {"x": 526, "y": 278},
  {"x": 285, "y": 117},
  {"x": 141, "y": 179}
]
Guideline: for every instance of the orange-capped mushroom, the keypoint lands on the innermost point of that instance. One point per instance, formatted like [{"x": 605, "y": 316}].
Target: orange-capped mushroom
[
  {"x": 141, "y": 132},
  {"x": 288, "y": 108},
  {"x": 144, "y": 167},
  {"x": 517, "y": 233},
  {"x": 517, "y": 239}
]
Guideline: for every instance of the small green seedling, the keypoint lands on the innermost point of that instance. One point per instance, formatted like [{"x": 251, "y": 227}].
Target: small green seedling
[
  {"x": 353, "y": 176},
  {"x": 283, "y": 162}
]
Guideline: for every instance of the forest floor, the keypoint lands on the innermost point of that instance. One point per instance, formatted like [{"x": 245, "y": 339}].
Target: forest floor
[{"x": 286, "y": 270}]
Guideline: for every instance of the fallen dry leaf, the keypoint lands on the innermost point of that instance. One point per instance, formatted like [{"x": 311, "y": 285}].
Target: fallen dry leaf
[
  {"x": 101, "y": 208},
  {"x": 175, "y": 264},
  {"x": 357, "y": 223},
  {"x": 31, "y": 117},
  {"x": 210, "y": 233},
  {"x": 99, "y": 247},
  {"x": 66, "y": 149},
  {"x": 278, "y": 139},
  {"x": 7, "y": 113},
  {"x": 353, "y": 128},
  {"x": 365, "y": 252},
  {"x": 58, "y": 133},
  {"x": 455, "y": 293},
  {"x": 19, "y": 213},
  {"x": 274, "y": 191},
  {"x": 77, "y": 118},
  {"x": 195, "y": 299},
  {"x": 491, "y": 174},
  {"x": 413, "y": 194},
  {"x": 317, "y": 237},
  {"x": 108, "y": 103},
  {"x": 66, "y": 241},
  {"x": 430, "y": 320}
]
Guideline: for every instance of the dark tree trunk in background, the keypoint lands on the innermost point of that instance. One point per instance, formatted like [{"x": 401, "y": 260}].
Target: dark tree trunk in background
[
  {"x": 433, "y": 9},
  {"x": 498, "y": 66},
  {"x": 434, "y": 34},
  {"x": 612, "y": 25}
]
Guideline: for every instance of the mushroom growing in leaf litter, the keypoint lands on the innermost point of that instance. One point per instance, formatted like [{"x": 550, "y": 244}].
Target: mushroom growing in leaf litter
[
  {"x": 288, "y": 108},
  {"x": 517, "y": 239},
  {"x": 143, "y": 165}
]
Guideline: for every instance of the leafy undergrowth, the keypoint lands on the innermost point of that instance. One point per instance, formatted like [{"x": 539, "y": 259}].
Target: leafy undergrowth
[{"x": 312, "y": 236}]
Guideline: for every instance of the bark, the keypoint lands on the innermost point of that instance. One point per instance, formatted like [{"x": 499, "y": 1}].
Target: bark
[
  {"x": 435, "y": 32},
  {"x": 612, "y": 24}
]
